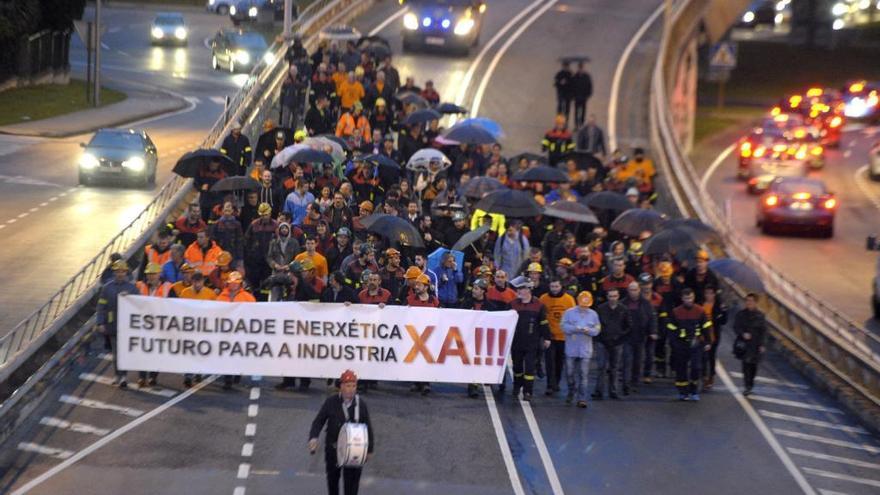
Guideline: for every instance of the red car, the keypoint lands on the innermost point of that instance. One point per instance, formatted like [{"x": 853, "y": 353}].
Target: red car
[{"x": 797, "y": 202}]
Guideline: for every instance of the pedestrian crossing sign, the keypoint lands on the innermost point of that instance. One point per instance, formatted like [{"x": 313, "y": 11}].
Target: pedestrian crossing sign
[{"x": 723, "y": 55}]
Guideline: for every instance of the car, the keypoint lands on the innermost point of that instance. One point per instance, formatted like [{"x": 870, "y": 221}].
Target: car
[
  {"x": 862, "y": 101},
  {"x": 797, "y": 202},
  {"x": 169, "y": 28},
  {"x": 218, "y": 6},
  {"x": 126, "y": 155},
  {"x": 258, "y": 11},
  {"x": 238, "y": 50},
  {"x": 446, "y": 25},
  {"x": 874, "y": 162},
  {"x": 759, "y": 13},
  {"x": 823, "y": 110},
  {"x": 781, "y": 159}
]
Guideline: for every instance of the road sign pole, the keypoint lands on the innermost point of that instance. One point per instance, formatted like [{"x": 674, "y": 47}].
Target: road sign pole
[
  {"x": 721, "y": 86},
  {"x": 288, "y": 19},
  {"x": 97, "y": 98},
  {"x": 88, "y": 62}
]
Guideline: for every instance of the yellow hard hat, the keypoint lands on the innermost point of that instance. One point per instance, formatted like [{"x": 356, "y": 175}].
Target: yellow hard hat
[
  {"x": 423, "y": 279},
  {"x": 664, "y": 269},
  {"x": 585, "y": 299},
  {"x": 299, "y": 135},
  {"x": 412, "y": 273},
  {"x": 152, "y": 268},
  {"x": 702, "y": 255},
  {"x": 119, "y": 265},
  {"x": 264, "y": 208},
  {"x": 224, "y": 258},
  {"x": 535, "y": 267},
  {"x": 234, "y": 278},
  {"x": 380, "y": 102},
  {"x": 307, "y": 264}
]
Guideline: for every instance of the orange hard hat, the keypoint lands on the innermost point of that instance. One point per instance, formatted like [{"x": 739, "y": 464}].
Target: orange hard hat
[{"x": 348, "y": 376}]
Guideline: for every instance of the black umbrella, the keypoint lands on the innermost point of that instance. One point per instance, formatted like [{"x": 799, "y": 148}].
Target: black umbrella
[
  {"x": 393, "y": 228},
  {"x": 607, "y": 200},
  {"x": 471, "y": 237},
  {"x": 529, "y": 157},
  {"x": 236, "y": 183},
  {"x": 635, "y": 221},
  {"x": 541, "y": 173},
  {"x": 698, "y": 230},
  {"x": 478, "y": 187},
  {"x": 410, "y": 98},
  {"x": 571, "y": 211},
  {"x": 584, "y": 160},
  {"x": 470, "y": 134},
  {"x": 310, "y": 155},
  {"x": 511, "y": 203},
  {"x": 422, "y": 116},
  {"x": 189, "y": 164},
  {"x": 374, "y": 45},
  {"x": 380, "y": 160},
  {"x": 739, "y": 273},
  {"x": 450, "y": 108},
  {"x": 573, "y": 59},
  {"x": 675, "y": 240},
  {"x": 338, "y": 140}
]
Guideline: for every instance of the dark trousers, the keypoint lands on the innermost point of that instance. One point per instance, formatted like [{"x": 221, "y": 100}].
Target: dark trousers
[
  {"x": 580, "y": 112},
  {"x": 661, "y": 353},
  {"x": 750, "y": 371},
  {"x": 688, "y": 362},
  {"x": 648, "y": 368},
  {"x": 633, "y": 360},
  {"x": 563, "y": 105},
  {"x": 709, "y": 360},
  {"x": 351, "y": 476},
  {"x": 109, "y": 345},
  {"x": 610, "y": 357},
  {"x": 554, "y": 357},
  {"x": 523, "y": 370},
  {"x": 144, "y": 374}
]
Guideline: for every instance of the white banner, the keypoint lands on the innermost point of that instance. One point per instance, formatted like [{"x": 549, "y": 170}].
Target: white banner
[{"x": 317, "y": 340}]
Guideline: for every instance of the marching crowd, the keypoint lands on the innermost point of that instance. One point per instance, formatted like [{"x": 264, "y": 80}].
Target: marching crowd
[{"x": 587, "y": 296}]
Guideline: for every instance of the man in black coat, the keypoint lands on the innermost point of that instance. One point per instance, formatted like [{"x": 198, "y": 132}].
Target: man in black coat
[
  {"x": 337, "y": 410},
  {"x": 562, "y": 82},
  {"x": 581, "y": 91},
  {"x": 238, "y": 148},
  {"x": 751, "y": 327},
  {"x": 616, "y": 327}
]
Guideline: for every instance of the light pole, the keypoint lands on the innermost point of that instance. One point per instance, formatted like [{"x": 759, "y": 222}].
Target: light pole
[
  {"x": 97, "y": 53},
  {"x": 288, "y": 19}
]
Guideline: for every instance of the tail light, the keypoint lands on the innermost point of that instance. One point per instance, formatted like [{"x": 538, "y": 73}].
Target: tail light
[
  {"x": 830, "y": 203},
  {"x": 817, "y": 151},
  {"x": 836, "y": 122},
  {"x": 760, "y": 151},
  {"x": 771, "y": 200},
  {"x": 857, "y": 87},
  {"x": 775, "y": 111},
  {"x": 795, "y": 101},
  {"x": 745, "y": 150},
  {"x": 801, "y": 196}
]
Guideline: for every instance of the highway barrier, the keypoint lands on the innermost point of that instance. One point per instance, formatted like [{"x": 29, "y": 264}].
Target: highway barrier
[{"x": 801, "y": 322}]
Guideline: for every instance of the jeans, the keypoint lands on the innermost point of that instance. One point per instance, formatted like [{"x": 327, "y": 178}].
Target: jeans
[
  {"x": 563, "y": 105},
  {"x": 580, "y": 112},
  {"x": 633, "y": 360},
  {"x": 578, "y": 373},
  {"x": 609, "y": 368}
]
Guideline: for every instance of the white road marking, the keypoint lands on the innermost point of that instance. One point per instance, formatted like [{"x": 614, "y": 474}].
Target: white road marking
[
  {"x": 105, "y": 356},
  {"x": 220, "y": 100},
  {"x": 22, "y": 215},
  {"x": 106, "y": 380},
  {"x": 250, "y": 429},
  {"x": 53, "y": 198},
  {"x": 193, "y": 100},
  {"x": 62, "y": 424},
  {"x": 239, "y": 490},
  {"x": 813, "y": 422},
  {"x": 792, "y": 403},
  {"x": 862, "y": 180},
  {"x": 773, "y": 381},
  {"x": 247, "y": 450},
  {"x": 618, "y": 74},
  {"x": 32, "y": 210},
  {"x": 827, "y": 441},
  {"x": 253, "y": 410},
  {"x": 109, "y": 438},
  {"x": 265, "y": 472},
  {"x": 823, "y": 491},
  {"x": 104, "y": 46},
  {"x": 2, "y": 226},
  {"x": 96, "y": 404},
  {"x": 833, "y": 458},
  {"x": 244, "y": 470},
  {"x": 502, "y": 442},
  {"x": 795, "y": 473},
  {"x": 255, "y": 393},
  {"x": 12, "y": 220},
  {"x": 378, "y": 29},
  {"x": 714, "y": 166},
  {"x": 256, "y": 378},
  {"x": 555, "y": 485},
  {"x": 484, "y": 82},
  {"x": 44, "y": 203},
  {"x": 26, "y": 181},
  {"x": 842, "y": 477},
  {"x": 115, "y": 29},
  {"x": 851, "y": 143},
  {"x": 42, "y": 449}
]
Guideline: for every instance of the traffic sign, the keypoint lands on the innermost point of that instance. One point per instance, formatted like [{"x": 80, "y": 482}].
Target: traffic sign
[{"x": 723, "y": 55}]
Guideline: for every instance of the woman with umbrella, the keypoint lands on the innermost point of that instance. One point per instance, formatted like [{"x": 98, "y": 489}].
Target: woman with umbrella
[{"x": 206, "y": 178}]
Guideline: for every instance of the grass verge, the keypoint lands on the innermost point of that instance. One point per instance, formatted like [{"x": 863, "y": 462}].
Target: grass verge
[
  {"x": 711, "y": 120},
  {"x": 49, "y": 100}
]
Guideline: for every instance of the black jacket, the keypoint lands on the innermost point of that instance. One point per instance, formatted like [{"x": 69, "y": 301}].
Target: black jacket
[
  {"x": 643, "y": 319},
  {"x": 581, "y": 86},
  {"x": 332, "y": 415},
  {"x": 346, "y": 294},
  {"x": 616, "y": 324},
  {"x": 319, "y": 122},
  {"x": 751, "y": 322}
]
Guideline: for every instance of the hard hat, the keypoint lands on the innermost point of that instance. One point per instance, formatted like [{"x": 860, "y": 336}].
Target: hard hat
[
  {"x": 358, "y": 71},
  {"x": 391, "y": 252},
  {"x": 484, "y": 270},
  {"x": 224, "y": 258},
  {"x": 236, "y": 125},
  {"x": 481, "y": 283},
  {"x": 366, "y": 205},
  {"x": 264, "y": 208},
  {"x": 458, "y": 216},
  {"x": 560, "y": 119},
  {"x": 234, "y": 278},
  {"x": 521, "y": 283},
  {"x": 535, "y": 267},
  {"x": 348, "y": 376},
  {"x": 412, "y": 273},
  {"x": 380, "y": 102},
  {"x": 664, "y": 269},
  {"x": 635, "y": 248},
  {"x": 187, "y": 268},
  {"x": 343, "y": 231},
  {"x": 152, "y": 268},
  {"x": 299, "y": 135},
  {"x": 646, "y": 278},
  {"x": 119, "y": 265},
  {"x": 268, "y": 125},
  {"x": 565, "y": 262},
  {"x": 423, "y": 279},
  {"x": 585, "y": 299},
  {"x": 280, "y": 135},
  {"x": 702, "y": 255},
  {"x": 295, "y": 266},
  {"x": 632, "y": 192},
  {"x": 358, "y": 106}
]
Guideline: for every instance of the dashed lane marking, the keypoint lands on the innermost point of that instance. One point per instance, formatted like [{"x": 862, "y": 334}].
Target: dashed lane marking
[
  {"x": 861, "y": 178},
  {"x": 250, "y": 429},
  {"x": 827, "y": 441},
  {"x": 823, "y": 491},
  {"x": 220, "y": 100},
  {"x": 63, "y": 424},
  {"x": 813, "y": 422},
  {"x": 847, "y": 153},
  {"x": 239, "y": 490},
  {"x": 244, "y": 470},
  {"x": 796, "y": 404},
  {"x": 255, "y": 393},
  {"x": 842, "y": 477},
  {"x": 42, "y": 449},
  {"x": 247, "y": 450},
  {"x": 12, "y": 220},
  {"x": 96, "y": 404},
  {"x": 833, "y": 458},
  {"x": 32, "y": 210},
  {"x": 106, "y": 380},
  {"x": 773, "y": 381},
  {"x": 253, "y": 410},
  {"x": 22, "y": 215}
]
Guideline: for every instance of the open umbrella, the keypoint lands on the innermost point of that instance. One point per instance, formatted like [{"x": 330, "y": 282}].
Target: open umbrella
[
  {"x": 584, "y": 160},
  {"x": 511, "y": 203},
  {"x": 236, "y": 183},
  {"x": 470, "y": 134},
  {"x": 541, "y": 173},
  {"x": 393, "y": 228},
  {"x": 698, "y": 230},
  {"x": 376, "y": 46},
  {"x": 571, "y": 211},
  {"x": 450, "y": 108},
  {"x": 486, "y": 123},
  {"x": 324, "y": 144},
  {"x": 340, "y": 32},
  {"x": 422, "y": 116},
  {"x": 478, "y": 187},
  {"x": 410, "y": 98},
  {"x": 471, "y": 237},
  {"x": 529, "y": 157},
  {"x": 635, "y": 221},
  {"x": 338, "y": 140},
  {"x": 310, "y": 155},
  {"x": 675, "y": 240},
  {"x": 607, "y": 200},
  {"x": 283, "y": 157},
  {"x": 190, "y": 163},
  {"x": 428, "y": 160},
  {"x": 435, "y": 259},
  {"x": 739, "y": 273},
  {"x": 380, "y": 160}
]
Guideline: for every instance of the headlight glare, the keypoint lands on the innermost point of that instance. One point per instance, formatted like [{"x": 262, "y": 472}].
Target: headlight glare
[
  {"x": 88, "y": 161},
  {"x": 252, "y": 12},
  {"x": 242, "y": 57},
  {"x": 464, "y": 26},
  {"x": 269, "y": 58},
  {"x": 180, "y": 33},
  {"x": 157, "y": 32},
  {"x": 410, "y": 21},
  {"x": 135, "y": 163}
]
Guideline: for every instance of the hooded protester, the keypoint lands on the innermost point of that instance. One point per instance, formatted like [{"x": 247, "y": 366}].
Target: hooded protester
[{"x": 283, "y": 248}]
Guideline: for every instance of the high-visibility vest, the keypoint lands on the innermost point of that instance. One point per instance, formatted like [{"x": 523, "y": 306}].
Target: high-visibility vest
[
  {"x": 161, "y": 290},
  {"x": 154, "y": 256}
]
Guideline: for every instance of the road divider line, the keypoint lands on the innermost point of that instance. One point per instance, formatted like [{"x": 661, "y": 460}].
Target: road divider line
[
  {"x": 827, "y": 441},
  {"x": 772, "y": 381},
  {"x": 861, "y": 178},
  {"x": 247, "y": 450},
  {"x": 106, "y": 380},
  {"x": 812, "y": 422},
  {"x": 112, "y": 436},
  {"x": 515, "y": 482},
  {"x": 618, "y": 75},
  {"x": 250, "y": 429},
  {"x": 239, "y": 490},
  {"x": 96, "y": 404},
  {"x": 44, "y": 450},
  {"x": 63, "y": 424},
  {"x": 255, "y": 393},
  {"x": 842, "y": 477},
  {"x": 555, "y": 485},
  {"x": 704, "y": 181},
  {"x": 253, "y": 410},
  {"x": 833, "y": 458},
  {"x": 244, "y": 470},
  {"x": 795, "y": 404},
  {"x": 823, "y": 491}
]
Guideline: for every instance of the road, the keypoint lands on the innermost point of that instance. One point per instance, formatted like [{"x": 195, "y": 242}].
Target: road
[
  {"x": 88, "y": 437},
  {"x": 42, "y": 209}
]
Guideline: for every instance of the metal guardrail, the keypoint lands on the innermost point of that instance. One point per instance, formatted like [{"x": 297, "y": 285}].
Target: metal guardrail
[
  {"x": 843, "y": 347},
  {"x": 255, "y": 98}
]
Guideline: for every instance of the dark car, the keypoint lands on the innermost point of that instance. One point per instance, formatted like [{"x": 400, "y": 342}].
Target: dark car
[
  {"x": 238, "y": 51},
  {"x": 759, "y": 13},
  {"x": 258, "y": 11},
  {"x": 169, "y": 28},
  {"x": 446, "y": 25},
  {"x": 862, "y": 101},
  {"x": 797, "y": 202},
  {"x": 125, "y": 155}
]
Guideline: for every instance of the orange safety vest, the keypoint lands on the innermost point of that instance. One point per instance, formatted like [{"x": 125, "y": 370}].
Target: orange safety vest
[
  {"x": 161, "y": 291},
  {"x": 153, "y": 256},
  {"x": 242, "y": 296},
  {"x": 204, "y": 262}
]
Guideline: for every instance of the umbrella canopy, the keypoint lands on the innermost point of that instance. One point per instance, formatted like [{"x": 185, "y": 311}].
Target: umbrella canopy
[
  {"x": 529, "y": 157},
  {"x": 340, "y": 32},
  {"x": 308, "y": 154},
  {"x": 470, "y": 134},
  {"x": 450, "y": 108},
  {"x": 541, "y": 173},
  {"x": 393, "y": 228},
  {"x": 635, "y": 221},
  {"x": 674, "y": 240},
  {"x": 428, "y": 160},
  {"x": 607, "y": 200},
  {"x": 486, "y": 123},
  {"x": 435, "y": 259},
  {"x": 573, "y": 59},
  {"x": 511, "y": 203},
  {"x": 739, "y": 273},
  {"x": 584, "y": 160},
  {"x": 422, "y": 116},
  {"x": 283, "y": 157},
  {"x": 236, "y": 183},
  {"x": 471, "y": 237},
  {"x": 410, "y": 98},
  {"x": 376, "y": 46},
  {"x": 478, "y": 187},
  {"x": 571, "y": 211},
  {"x": 189, "y": 164},
  {"x": 338, "y": 140},
  {"x": 381, "y": 161},
  {"x": 698, "y": 230},
  {"x": 324, "y": 144}
]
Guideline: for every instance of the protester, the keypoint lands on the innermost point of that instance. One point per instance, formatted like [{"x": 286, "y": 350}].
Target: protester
[{"x": 750, "y": 327}]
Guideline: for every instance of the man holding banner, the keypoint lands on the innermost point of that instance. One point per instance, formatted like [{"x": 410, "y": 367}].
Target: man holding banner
[{"x": 531, "y": 333}]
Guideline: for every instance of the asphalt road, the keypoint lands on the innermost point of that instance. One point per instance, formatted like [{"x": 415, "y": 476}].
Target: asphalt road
[
  {"x": 253, "y": 440},
  {"x": 51, "y": 226}
]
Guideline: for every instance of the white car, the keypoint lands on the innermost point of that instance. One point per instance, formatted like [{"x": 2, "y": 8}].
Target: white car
[
  {"x": 776, "y": 161},
  {"x": 874, "y": 162},
  {"x": 218, "y": 6}
]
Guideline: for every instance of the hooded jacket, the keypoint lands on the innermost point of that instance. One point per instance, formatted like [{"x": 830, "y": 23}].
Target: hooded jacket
[{"x": 282, "y": 249}]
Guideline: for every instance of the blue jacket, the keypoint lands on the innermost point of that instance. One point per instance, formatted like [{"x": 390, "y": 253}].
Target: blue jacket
[
  {"x": 171, "y": 272},
  {"x": 578, "y": 343},
  {"x": 296, "y": 206},
  {"x": 447, "y": 290}
]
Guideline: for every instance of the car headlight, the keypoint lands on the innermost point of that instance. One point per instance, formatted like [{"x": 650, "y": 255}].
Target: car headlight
[
  {"x": 445, "y": 23},
  {"x": 856, "y": 108},
  {"x": 269, "y": 58},
  {"x": 426, "y": 22},
  {"x": 180, "y": 33},
  {"x": 88, "y": 161},
  {"x": 252, "y": 12},
  {"x": 748, "y": 17},
  {"x": 242, "y": 57},
  {"x": 410, "y": 21},
  {"x": 134, "y": 163},
  {"x": 464, "y": 26},
  {"x": 211, "y": 2},
  {"x": 839, "y": 9},
  {"x": 232, "y": 10},
  {"x": 157, "y": 32}
]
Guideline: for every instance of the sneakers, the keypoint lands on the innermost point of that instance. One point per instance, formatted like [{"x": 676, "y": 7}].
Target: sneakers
[
  {"x": 582, "y": 404},
  {"x": 187, "y": 382},
  {"x": 472, "y": 391},
  {"x": 695, "y": 397},
  {"x": 527, "y": 397},
  {"x": 747, "y": 392},
  {"x": 683, "y": 397},
  {"x": 123, "y": 383},
  {"x": 141, "y": 382},
  {"x": 426, "y": 390},
  {"x": 152, "y": 382}
]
